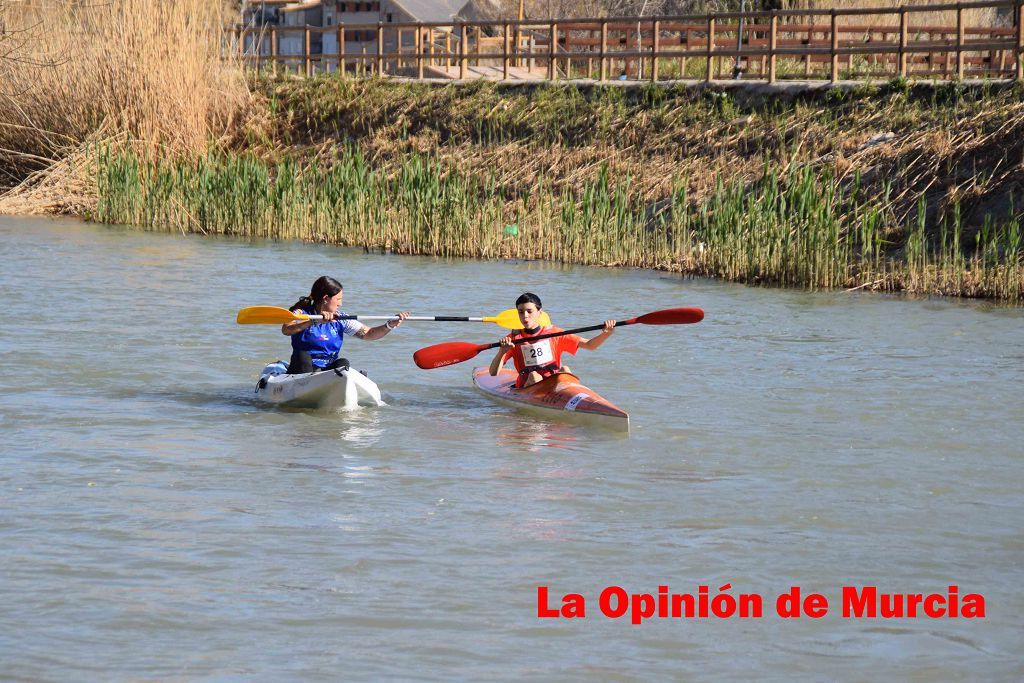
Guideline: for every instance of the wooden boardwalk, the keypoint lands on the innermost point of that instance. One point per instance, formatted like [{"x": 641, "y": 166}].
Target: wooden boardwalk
[
  {"x": 958, "y": 41},
  {"x": 490, "y": 73}
]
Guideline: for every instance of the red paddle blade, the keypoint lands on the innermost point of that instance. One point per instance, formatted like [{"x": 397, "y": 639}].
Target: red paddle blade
[
  {"x": 672, "y": 316},
  {"x": 448, "y": 353}
]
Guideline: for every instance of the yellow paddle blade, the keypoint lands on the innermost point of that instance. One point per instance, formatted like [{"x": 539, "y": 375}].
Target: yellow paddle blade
[
  {"x": 267, "y": 315},
  {"x": 510, "y": 319}
]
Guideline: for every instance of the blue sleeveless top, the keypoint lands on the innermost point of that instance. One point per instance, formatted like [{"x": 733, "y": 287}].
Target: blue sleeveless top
[{"x": 323, "y": 341}]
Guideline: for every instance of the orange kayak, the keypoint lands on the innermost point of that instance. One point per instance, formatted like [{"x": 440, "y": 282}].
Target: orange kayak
[{"x": 560, "y": 395}]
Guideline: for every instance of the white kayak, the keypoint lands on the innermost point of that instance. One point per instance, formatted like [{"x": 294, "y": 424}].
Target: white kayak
[{"x": 326, "y": 389}]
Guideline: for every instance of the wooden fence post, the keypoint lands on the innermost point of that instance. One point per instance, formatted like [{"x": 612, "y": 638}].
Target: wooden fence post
[
  {"x": 419, "y": 50},
  {"x": 463, "y": 49},
  {"x": 309, "y": 56},
  {"x": 380, "y": 49},
  {"x": 273, "y": 50},
  {"x": 773, "y": 42},
  {"x": 604, "y": 49},
  {"x": 341, "y": 49},
  {"x": 519, "y": 43},
  {"x": 655, "y": 47},
  {"x": 709, "y": 73},
  {"x": 903, "y": 43},
  {"x": 505, "y": 32},
  {"x": 552, "y": 47},
  {"x": 834, "y": 52},
  {"x": 959, "y": 42}
]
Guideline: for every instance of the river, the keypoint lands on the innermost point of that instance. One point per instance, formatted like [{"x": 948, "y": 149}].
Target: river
[{"x": 159, "y": 524}]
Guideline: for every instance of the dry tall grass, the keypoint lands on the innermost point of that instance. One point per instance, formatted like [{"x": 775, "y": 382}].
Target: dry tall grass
[
  {"x": 147, "y": 69},
  {"x": 975, "y": 16}
]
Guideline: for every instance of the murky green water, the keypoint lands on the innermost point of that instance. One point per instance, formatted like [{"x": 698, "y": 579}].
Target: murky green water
[{"x": 158, "y": 524}]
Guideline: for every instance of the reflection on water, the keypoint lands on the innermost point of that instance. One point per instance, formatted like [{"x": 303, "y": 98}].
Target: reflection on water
[
  {"x": 534, "y": 435},
  {"x": 362, "y": 425},
  {"x": 541, "y": 529}
]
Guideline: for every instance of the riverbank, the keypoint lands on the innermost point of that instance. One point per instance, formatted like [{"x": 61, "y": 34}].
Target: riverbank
[
  {"x": 891, "y": 187},
  {"x": 888, "y": 187}
]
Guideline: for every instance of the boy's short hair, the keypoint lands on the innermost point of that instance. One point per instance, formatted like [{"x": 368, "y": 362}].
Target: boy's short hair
[{"x": 529, "y": 298}]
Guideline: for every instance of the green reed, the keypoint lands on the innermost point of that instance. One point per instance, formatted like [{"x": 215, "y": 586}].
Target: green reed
[
  {"x": 943, "y": 264},
  {"x": 803, "y": 228}
]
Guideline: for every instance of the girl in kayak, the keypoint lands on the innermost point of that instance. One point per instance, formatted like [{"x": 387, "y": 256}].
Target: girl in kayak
[
  {"x": 542, "y": 359},
  {"x": 316, "y": 344}
]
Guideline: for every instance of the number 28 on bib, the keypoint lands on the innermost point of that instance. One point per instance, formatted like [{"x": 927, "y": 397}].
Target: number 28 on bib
[{"x": 538, "y": 353}]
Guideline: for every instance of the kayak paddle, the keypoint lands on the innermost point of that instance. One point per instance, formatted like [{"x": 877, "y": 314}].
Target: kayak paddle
[
  {"x": 275, "y": 315},
  {"x": 449, "y": 353}
]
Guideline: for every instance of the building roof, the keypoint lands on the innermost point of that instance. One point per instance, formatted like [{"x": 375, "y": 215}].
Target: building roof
[
  {"x": 441, "y": 11},
  {"x": 481, "y": 10},
  {"x": 299, "y": 6}
]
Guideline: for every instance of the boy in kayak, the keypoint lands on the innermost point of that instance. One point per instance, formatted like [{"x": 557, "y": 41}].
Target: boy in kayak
[
  {"x": 542, "y": 359},
  {"x": 316, "y": 344}
]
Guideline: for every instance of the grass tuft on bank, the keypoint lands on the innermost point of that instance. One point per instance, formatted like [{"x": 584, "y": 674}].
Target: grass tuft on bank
[{"x": 805, "y": 229}]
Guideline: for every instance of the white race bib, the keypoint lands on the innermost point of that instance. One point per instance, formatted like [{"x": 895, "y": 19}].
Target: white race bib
[{"x": 538, "y": 353}]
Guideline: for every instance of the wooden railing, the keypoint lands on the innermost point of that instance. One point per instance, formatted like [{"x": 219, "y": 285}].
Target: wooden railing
[{"x": 803, "y": 44}]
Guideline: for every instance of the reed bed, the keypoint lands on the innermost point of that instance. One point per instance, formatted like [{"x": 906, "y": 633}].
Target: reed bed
[
  {"x": 548, "y": 152},
  {"x": 802, "y": 228}
]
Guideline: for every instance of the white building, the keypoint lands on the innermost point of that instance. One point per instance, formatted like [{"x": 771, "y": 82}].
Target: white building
[
  {"x": 288, "y": 18},
  {"x": 298, "y": 15}
]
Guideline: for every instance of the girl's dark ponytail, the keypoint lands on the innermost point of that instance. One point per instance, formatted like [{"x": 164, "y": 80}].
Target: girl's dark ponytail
[{"x": 303, "y": 304}]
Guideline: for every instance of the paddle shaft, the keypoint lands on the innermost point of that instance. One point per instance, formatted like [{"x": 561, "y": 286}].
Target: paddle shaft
[
  {"x": 274, "y": 315},
  {"x": 436, "y": 318},
  {"x": 449, "y": 353},
  {"x": 530, "y": 340}
]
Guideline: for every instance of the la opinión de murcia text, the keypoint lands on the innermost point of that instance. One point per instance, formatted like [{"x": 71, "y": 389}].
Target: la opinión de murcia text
[{"x": 856, "y": 602}]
